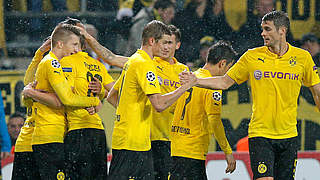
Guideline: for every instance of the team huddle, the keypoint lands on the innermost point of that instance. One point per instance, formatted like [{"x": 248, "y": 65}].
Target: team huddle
[{"x": 165, "y": 114}]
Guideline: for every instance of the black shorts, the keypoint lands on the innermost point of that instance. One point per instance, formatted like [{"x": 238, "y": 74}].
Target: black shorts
[
  {"x": 86, "y": 154},
  {"x": 49, "y": 160},
  {"x": 162, "y": 161},
  {"x": 24, "y": 167},
  {"x": 273, "y": 157},
  {"x": 188, "y": 168},
  {"x": 127, "y": 164}
]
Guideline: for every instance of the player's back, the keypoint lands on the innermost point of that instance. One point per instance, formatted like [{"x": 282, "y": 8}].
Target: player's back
[
  {"x": 79, "y": 70},
  {"x": 137, "y": 80},
  {"x": 190, "y": 133}
]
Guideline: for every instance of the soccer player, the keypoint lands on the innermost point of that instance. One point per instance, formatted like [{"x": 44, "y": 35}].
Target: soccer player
[
  {"x": 197, "y": 116},
  {"x": 24, "y": 163},
  {"x": 85, "y": 141},
  {"x": 168, "y": 69},
  {"x": 276, "y": 72},
  {"x": 50, "y": 124},
  {"x": 138, "y": 83}
]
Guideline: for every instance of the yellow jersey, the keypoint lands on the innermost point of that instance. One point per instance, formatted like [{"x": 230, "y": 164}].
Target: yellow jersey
[
  {"x": 50, "y": 124},
  {"x": 275, "y": 86},
  {"x": 196, "y": 117},
  {"x": 79, "y": 70},
  {"x": 132, "y": 126},
  {"x": 168, "y": 76},
  {"x": 23, "y": 142}
]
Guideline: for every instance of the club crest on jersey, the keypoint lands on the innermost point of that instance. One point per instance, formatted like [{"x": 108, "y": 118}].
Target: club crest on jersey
[
  {"x": 216, "y": 96},
  {"x": 257, "y": 74},
  {"x": 293, "y": 61},
  {"x": 55, "y": 63},
  {"x": 151, "y": 76}
]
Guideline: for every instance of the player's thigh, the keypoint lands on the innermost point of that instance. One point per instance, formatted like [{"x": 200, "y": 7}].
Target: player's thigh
[
  {"x": 162, "y": 160},
  {"x": 261, "y": 157},
  {"x": 286, "y": 159},
  {"x": 187, "y": 168},
  {"x": 24, "y": 167},
  {"x": 127, "y": 164},
  {"x": 49, "y": 159}
]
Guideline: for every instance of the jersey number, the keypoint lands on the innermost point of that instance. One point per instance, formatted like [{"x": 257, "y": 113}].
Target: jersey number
[
  {"x": 89, "y": 79},
  {"x": 187, "y": 102}
]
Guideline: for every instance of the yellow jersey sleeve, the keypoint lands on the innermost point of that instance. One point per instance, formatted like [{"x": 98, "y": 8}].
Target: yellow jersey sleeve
[
  {"x": 63, "y": 89},
  {"x": 147, "y": 78},
  {"x": 213, "y": 105},
  {"x": 239, "y": 71},
  {"x": 32, "y": 68},
  {"x": 311, "y": 76}
]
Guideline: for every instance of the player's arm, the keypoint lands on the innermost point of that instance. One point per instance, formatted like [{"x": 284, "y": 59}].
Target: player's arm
[
  {"x": 104, "y": 53},
  {"x": 49, "y": 99},
  {"x": 213, "y": 110},
  {"x": 162, "y": 102},
  {"x": 112, "y": 97},
  {"x": 218, "y": 82},
  {"x": 315, "y": 90},
  {"x": 32, "y": 68},
  {"x": 97, "y": 87}
]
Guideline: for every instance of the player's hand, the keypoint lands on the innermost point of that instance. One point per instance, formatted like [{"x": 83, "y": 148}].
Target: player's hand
[
  {"x": 187, "y": 77},
  {"x": 4, "y": 155},
  {"x": 91, "y": 110},
  {"x": 231, "y": 163},
  {"x": 98, "y": 108},
  {"x": 95, "y": 86},
  {"x": 46, "y": 45},
  {"x": 27, "y": 90}
]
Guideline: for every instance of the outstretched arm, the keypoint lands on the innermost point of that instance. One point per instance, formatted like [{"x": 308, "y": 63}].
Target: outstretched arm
[
  {"x": 104, "y": 53},
  {"x": 218, "y": 82}
]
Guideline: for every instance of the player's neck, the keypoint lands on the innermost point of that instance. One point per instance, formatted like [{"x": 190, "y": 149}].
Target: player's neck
[
  {"x": 212, "y": 69},
  {"x": 280, "y": 49},
  {"x": 148, "y": 50},
  {"x": 169, "y": 60},
  {"x": 57, "y": 53}
]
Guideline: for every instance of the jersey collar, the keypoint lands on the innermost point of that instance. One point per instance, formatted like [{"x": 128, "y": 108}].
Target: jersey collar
[
  {"x": 275, "y": 55},
  {"x": 164, "y": 62},
  {"x": 206, "y": 72},
  {"x": 53, "y": 55},
  {"x": 144, "y": 54}
]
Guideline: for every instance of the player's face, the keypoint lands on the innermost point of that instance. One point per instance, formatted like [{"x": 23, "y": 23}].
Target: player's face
[
  {"x": 14, "y": 126},
  {"x": 72, "y": 45},
  {"x": 270, "y": 34},
  {"x": 162, "y": 47}
]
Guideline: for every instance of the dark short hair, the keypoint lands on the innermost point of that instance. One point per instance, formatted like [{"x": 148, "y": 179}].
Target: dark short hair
[
  {"x": 279, "y": 19},
  {"x": 219, "y": 51},
  {"x": 62, "y": 32},
  {"x": 310, "y": 37},
  {"x": 163, "y": 4},
  {"x": 176, "y": 32},
  {"x": 155, "y": 29},
  {"x": 71, "y": 21},
  {"x": 17, "y": 115}
]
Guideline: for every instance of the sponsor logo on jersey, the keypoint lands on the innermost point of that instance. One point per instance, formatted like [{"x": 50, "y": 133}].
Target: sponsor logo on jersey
[{"x": 278, "y": 75}]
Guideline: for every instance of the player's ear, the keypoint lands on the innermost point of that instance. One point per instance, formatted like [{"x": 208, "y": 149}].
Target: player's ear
[
  {"x": 151, "y": 41},
  {"x": 178, "y": 45},
  {"x": 60, "y": 44},
  {"x": 222, "y": 63}
]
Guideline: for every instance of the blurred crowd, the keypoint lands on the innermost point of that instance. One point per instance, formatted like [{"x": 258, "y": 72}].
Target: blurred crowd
[{"x": 119, "y": 27}]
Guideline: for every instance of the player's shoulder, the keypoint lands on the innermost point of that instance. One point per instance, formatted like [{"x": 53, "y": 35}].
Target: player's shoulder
[
  {"x": 297, "y": 50},
  {"x": 256, "y": 50},
  {"x": 50, "y": 60}
]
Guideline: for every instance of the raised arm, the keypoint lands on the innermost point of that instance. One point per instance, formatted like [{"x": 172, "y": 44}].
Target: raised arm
[{"x": 104, "y": 53}]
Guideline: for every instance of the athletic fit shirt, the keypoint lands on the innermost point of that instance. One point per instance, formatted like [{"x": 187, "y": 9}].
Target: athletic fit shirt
[
  {"x": 23, "y": 142},
  {"x": 196, "y": 117},
  {"x": 168, "y": 76},
  {"x": 132, "y": 126},
  {"x": 79, "y": 70},
  {"x": 275, "y": 86},
  {"x": 50, "y": 123}
]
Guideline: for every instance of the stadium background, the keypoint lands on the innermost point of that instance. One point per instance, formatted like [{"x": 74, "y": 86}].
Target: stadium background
[{"x": 304, "y": 16}]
